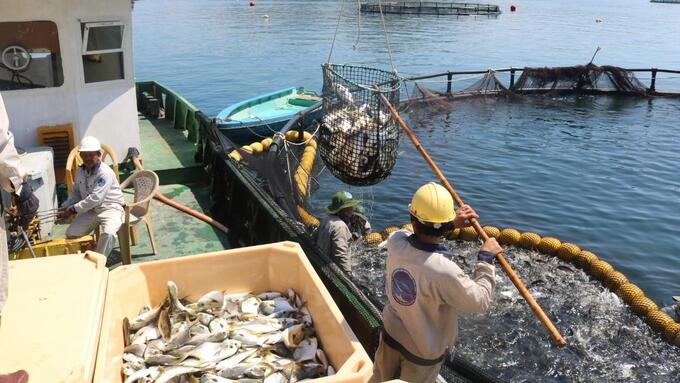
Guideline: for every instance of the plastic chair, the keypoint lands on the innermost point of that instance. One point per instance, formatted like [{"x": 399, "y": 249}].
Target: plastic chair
[
  {"x": 74, "y": 161},
  {"x": 146, "y": 184}
]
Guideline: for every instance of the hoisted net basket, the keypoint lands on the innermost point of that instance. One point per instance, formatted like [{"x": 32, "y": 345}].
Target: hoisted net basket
[{"x": 358, "y": 137}]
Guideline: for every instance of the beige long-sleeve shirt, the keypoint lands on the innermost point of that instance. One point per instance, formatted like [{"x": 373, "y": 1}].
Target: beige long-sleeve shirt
[
  {"x": 334, "y": 237},
  {"x": 11, "y": 177},
  {"x": 426, "y": 293}
]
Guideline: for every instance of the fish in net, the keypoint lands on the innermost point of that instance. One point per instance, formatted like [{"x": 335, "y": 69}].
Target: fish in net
[{"x": 358, "y": 138}]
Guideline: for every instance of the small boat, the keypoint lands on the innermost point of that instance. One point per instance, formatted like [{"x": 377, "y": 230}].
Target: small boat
[{"x": 264, "y": 115}]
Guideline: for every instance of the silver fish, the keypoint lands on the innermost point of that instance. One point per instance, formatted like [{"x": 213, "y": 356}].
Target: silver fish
[
  {"x": 137, "y": 349},
  {"x": 268, "y": 295},
  {"x": 145, "y": 318},
  {"x": 277, "y": 377},
  {"x": 212, "y": 378},
  {"x": 205, "y": 318},
  {"x": 293, "y": 335},
  {"x": 321, "y": 356},
  {"x": 218, "y": 325},
  {"x": 199, "y": 328},
  {"x": 168, "y": 373},
  {"x": 213, "y": 351},
  {"x": 146, "y": 334},
  {"x": 137, "y": 375},
  {"x": 238, "y": 371},
  {"x": 234, "y": 360},
  {"x": 174, "y": 300},
  {"x": 181, "y": 334},
  {"x": 250, "y": 305},
  {"x": 260, "y": 326},
  {"x": 208, "y": 337},
  {"x": 306, "y": 350}
]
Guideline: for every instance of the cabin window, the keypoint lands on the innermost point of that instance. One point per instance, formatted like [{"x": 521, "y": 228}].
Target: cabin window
[
  {"x": 102, "y": 51},
  {"x": 30, "y": 56}
]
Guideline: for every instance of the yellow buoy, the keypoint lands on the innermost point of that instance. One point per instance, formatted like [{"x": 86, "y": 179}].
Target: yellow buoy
[
  {"x": 291, "y": 135},
  {"x": 628, "y": 292},
  {"x": 247, "y": 149},
  {"x": 614, "y": 280},
  {"x": 235, "y": 155},
  {"x": 568, "y": 251},
  {"x": 509, "y": 237},
  {"x": 453, "y": 234},
  {"x": 659, "y": 320},
  {"x": 266, "y": 143},
  {"x": 584, "y": 258},
  {"x": 529, "y": 240},
  {"x": 389, "y": 230},
  {"x": 549, "y": 245},
  {"x": 642, "y": 306},
  {"x": 599, "y": 269},
  {"x": 408, "y": 227},
  {"x": 306, "y": 218},
  {"x": 671, "y": 330},
  {"x": 373, "y": 238},
  {"x": 312, "y": 143},
  {"x": 257, "y": 147},
  {"x": 492, "y": 231},
  {"x": 468, "y": 234}
]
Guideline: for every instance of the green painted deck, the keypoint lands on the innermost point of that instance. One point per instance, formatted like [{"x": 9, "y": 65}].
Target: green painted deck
[{"x": 167, "y": 152}]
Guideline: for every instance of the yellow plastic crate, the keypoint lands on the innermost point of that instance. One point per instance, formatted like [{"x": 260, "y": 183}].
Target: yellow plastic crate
[{"x": 277, "y": 267}]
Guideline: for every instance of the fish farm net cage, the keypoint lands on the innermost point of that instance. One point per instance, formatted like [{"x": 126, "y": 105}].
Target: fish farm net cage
[
  {"x": 580, "y": 79},
  {"x": 358, "y": 137}
]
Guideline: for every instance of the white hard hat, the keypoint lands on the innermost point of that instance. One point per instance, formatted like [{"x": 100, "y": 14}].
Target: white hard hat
[{"x": 89, "y": 144}]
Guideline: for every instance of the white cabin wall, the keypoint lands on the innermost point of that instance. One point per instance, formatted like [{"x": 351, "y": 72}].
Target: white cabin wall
[{"x": 106, "y": 110}]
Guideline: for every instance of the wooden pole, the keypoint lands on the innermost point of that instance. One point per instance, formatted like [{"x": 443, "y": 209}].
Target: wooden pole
[
  {"x": 538, "y": 312},
  {"x": 161, "y": 197}
]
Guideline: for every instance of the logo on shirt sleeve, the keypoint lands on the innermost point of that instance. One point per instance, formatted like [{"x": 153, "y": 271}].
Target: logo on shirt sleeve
[
  {"x": 101, "y": 181},
  {"x": 404, "y": 289}
]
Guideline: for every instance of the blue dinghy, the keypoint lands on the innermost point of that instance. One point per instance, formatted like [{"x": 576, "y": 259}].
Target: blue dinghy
[{"x": 264, "y": 115}]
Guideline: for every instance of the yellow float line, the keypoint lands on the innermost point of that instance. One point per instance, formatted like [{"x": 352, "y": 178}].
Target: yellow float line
[
  {"x": 302, "y": 172},
  {"x": 601, "y": 270}
]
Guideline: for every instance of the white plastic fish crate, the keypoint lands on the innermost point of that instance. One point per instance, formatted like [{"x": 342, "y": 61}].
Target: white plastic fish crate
[{"x": 273, "y": 267}]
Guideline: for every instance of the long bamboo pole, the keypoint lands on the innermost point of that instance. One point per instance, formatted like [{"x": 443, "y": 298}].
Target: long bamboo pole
[{"x": 538, "y": 312}]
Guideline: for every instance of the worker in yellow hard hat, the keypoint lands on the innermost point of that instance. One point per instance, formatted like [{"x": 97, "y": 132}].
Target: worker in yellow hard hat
[{"x": 426, "y": 290}]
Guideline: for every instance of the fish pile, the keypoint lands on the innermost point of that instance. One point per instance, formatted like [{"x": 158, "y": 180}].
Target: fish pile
[
  {"x": 221, "y": 338},
  {"x": 356, "y": 136}
]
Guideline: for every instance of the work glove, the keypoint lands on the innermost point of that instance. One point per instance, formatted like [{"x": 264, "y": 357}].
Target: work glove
[{"x": 27, "y": 205}]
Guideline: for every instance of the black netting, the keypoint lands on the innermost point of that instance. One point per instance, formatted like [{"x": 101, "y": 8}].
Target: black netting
[
  {"x": 579, "y": 78},
  {"x": 358, "y": 138}
]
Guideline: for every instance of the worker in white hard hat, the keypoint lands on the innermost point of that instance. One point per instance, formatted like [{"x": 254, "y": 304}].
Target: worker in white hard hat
[
  {"x": 12, "y": 181},
  {"x": 426, "y": 290},
  {"x": 96, "y": 198}
]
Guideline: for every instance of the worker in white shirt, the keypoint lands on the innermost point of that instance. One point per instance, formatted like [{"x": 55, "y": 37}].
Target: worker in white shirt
[
  {"x": 96, "y": 198},
  {"x": 427, "y": 291}
]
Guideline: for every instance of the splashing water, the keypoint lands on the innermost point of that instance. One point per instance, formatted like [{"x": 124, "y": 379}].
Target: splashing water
[{"x": 606, "y": 342}]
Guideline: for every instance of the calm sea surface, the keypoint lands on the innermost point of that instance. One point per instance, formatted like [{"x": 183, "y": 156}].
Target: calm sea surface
[{"x": 601, "y": 172}]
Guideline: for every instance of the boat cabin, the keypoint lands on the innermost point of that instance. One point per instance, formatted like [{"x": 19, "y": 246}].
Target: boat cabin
[{"x": 66, "y": 67}]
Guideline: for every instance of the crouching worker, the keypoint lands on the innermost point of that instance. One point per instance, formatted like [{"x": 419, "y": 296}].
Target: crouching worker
[
  {"x": 426, "y": 291},
  {"x": 334, "y": 235},
  {"x": 96, "y": 198}
]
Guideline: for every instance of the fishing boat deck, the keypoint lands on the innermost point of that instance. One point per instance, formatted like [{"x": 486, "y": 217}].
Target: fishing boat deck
[{"x": 167, "y": 152}]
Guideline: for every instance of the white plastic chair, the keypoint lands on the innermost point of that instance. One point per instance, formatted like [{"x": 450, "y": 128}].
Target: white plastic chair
[{"x": 145, "y": 184}]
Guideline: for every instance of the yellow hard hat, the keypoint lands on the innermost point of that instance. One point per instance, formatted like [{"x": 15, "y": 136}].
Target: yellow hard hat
[{"x": 432, "y": 204}]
